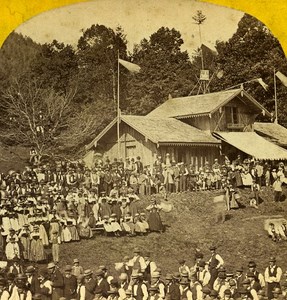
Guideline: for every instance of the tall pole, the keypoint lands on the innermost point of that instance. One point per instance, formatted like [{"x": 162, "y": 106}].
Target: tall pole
[
  {"x": 275, "y": 99},
  {"x": 118, "y": 109}
]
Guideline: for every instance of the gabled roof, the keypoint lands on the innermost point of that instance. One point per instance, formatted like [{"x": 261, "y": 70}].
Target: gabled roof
[
  {"x": 200, "y": 105},
  {"x": 253, "y": 144},
  {"x": 272, "y": 131},
  {"x": 163, "y": 131}
]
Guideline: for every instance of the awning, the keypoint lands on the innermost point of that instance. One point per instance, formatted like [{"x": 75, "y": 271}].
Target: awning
[{"x": 253, "y": 144}]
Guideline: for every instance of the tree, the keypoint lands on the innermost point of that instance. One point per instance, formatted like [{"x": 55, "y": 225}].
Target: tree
[
  {"x": 252, "y": 52},
  {"x": 98, "y": 50},
  {"x": 56, "y": 65},
  {"x": 35, "y": 116},
  {"x": 165, "y": 70}
]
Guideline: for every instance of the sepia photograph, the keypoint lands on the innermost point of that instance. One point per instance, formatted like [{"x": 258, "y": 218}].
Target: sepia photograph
[{"x": 143, "y": 154}]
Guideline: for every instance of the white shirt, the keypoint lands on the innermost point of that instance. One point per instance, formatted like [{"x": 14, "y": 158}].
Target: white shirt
[
  {"x": 204, "y": 277},
  {"x": 271, "y": 279}
]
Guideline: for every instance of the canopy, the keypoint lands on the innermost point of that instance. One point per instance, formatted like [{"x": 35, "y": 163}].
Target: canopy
[{"x": 253, "y": 144}]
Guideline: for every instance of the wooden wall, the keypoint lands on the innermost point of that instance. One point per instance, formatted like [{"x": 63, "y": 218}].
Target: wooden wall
[
  {"x": 218, "y": 122},
  {"x": 132, "y": 144},
  {"x": 195, "y": 155}
]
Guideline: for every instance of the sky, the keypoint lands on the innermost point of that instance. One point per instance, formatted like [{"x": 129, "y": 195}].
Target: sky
[{"x": 138, "y": 18}]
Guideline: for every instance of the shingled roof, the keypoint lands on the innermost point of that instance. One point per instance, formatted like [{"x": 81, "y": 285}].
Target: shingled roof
[
  {"x": 273, "y": 132},
  {"x": 166, "y": 131},
  {"x": 200, "y": 105}
]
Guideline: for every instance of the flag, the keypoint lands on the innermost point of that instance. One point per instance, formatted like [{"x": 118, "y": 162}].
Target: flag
[
  {"x": 263, "y": 84},
  {"x": 133, "y": 68},
  {"x": 220, "y": 74},
  {"x": 282, "y": 77}
]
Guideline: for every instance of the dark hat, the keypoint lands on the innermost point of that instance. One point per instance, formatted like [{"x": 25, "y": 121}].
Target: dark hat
[
  {"x": 176, "y": 275},
  {"x": 239, "y": 269},
  {"x": 137, "y": 250},
  {"x": 246, "y": 281},
  {"x": 201, "y": 263},
  {"x": 221, "y": 275},
  {"x": 99, "y": 272},
  {"x": 103, "y": 268},
  {"x": 20, "y": 277},
  {"x": 44, "y": 273},
  {"x": 198, "y": 255},
  {"x": 272, "y": 259},
  {"x": 184, "y": 281},
  {"x": 88, "y": 272},
  {"x": 68, "y": 268},
  {"x": 30, "y": 269},
  {"x": 251, "y": 264},
  {"x": 212, "y": 247},
  {"x": 51, "y": 265},
  {"x": 181, "y": 261}
]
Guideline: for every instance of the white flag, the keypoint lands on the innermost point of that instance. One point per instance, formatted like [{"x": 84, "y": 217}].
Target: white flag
[
  {"x": 133, "y": 68},
  {"x": 282, "y": 77}
]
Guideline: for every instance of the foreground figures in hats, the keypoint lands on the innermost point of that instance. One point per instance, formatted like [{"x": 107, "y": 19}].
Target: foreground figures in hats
[{"x": 138, "y": 277}]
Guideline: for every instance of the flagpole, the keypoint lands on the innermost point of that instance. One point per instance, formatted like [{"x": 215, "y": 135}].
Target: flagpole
[
  {"x": 118, "y": 108},
  {"x": 275, "y": 99}
]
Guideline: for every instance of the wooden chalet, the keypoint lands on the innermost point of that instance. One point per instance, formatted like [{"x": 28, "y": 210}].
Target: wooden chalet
[
  {"x": 192, "y": 129},
  {"x": 148, "y": 137}
]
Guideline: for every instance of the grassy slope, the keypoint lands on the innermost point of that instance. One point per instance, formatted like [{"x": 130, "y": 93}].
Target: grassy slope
[{"x": 191, "y": 225}]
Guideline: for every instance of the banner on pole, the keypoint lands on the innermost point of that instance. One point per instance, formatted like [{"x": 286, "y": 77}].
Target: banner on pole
[{"x": 204, "y": 75}]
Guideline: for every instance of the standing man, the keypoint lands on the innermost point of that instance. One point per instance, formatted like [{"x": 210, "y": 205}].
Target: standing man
[
  {"x": 215, "y": 262},
  {"x": 70, "y": 284},
  {"x": 57, "y": 281},
  {"x": 272, "y": 276},
  {"x": 90, "y": 284},
  {"x": 137, "y": 263},
  {"x": 150, "y": 267},
  {"x": 258, "y": 277}
]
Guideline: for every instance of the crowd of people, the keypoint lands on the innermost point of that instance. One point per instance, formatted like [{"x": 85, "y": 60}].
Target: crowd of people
[
  {"x": 168, "y": 175},
  {"x": 138, "y": 277}
]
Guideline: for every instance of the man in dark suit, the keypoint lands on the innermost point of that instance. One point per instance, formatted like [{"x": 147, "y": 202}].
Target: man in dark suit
[
  {"x": 32, "y": 280},
  {"x": 57, "y": 280},
  {"x": 70, "y": 284},
  {"x": 90, "y": 284},
  {"x": 102, "y": 283}
]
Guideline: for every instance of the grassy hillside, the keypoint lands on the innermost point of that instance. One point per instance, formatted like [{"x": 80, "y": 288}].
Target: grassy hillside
[
  {"x": 13, "y": 157},
  {"x": 189, "y": 226}
]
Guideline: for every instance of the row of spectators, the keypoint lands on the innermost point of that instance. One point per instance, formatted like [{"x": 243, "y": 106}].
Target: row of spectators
[{"x": 139, "y": 277}]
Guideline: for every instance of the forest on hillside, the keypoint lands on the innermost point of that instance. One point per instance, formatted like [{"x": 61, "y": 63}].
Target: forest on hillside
[{"x": 56, "y": 97}]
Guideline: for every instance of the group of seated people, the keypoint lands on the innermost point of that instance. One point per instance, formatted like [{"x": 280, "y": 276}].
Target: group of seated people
[{"x": 277, "y": 229}]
